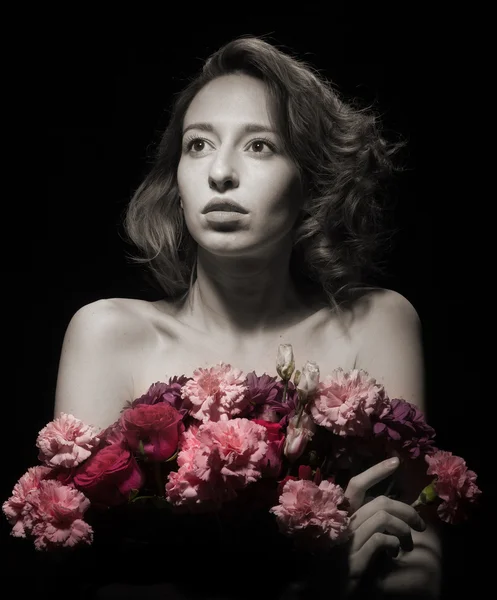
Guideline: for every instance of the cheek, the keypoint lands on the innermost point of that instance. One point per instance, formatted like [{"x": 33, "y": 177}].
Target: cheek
[
  {"x": 285, "y": 197},
  {"x": 181, "y": 176},
  {"x": 187, "y": 173}
]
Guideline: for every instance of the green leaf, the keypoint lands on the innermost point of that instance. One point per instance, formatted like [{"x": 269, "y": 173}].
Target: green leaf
[
  {"x": 173, "y": 457},
  {"x": 429, "y": 495}
]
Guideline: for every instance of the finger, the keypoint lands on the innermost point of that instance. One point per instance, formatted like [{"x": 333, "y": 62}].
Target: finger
[
  {"x": 378, "y": 542},
  {"x": 361, "y": 483},
  {"x": 383, "y": 522},
  {"x": 383, "y": 504}
]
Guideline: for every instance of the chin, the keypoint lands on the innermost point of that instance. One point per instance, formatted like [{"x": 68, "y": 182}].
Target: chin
[{"x": 230, "y": 246}]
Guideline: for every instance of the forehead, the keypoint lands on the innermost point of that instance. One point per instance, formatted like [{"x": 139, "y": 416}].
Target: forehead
[{"x": 231, "y": 98}]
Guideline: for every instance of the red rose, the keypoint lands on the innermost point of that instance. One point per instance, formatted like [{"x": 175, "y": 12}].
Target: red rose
[
  {"x": 275, "y": 441},
  {"x": 156, "y": 426},
  {"x": 108, "y": 476}
]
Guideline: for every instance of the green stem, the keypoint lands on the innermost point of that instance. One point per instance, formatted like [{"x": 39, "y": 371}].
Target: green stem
[
  {"x": 285, "y": 390},
  {"x": 142, "y": 498},
  {"x": 299, "y": 414}
]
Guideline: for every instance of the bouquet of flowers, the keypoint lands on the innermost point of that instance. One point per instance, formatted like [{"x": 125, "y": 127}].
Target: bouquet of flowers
[{"x": 199, "y": 444}]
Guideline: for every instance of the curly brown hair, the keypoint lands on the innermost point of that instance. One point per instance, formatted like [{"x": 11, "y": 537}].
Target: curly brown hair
[{"x": 344, "y": 162}]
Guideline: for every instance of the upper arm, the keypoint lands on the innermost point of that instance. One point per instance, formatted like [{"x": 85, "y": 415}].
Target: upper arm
[
  {"x": 391, "y": 350},
  {"x": 390, "y": 347},
  {"x": 93, "y": 379}
]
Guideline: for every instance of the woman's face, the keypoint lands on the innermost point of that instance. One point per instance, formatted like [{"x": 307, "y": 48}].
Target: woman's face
[{"x": 230, "y": 152}]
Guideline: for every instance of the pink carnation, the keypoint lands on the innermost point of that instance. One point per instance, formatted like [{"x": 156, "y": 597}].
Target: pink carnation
[
  {"x": 216, "y": 394},
  {"x": 186, "y": 491},
  {"x": 242, "y": 448},
  {"x": 313, "y": 514},
  {"x": 66, "y": 442},
  {"x": 217, "y": 459},
  {"x": 13, "y": 508},
  {"x": 275, "y": 437},
  {"x": 345, "y": 401},
  {"x": 455, "y": 485},
  {"x": 55, "y": 515},
  {"x": 189, "y": 444}
]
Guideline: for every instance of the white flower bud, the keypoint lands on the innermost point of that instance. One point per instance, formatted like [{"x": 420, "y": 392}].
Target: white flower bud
[
  {"x": 309, "y": 379},
  {"x": 285, "y": 363}
]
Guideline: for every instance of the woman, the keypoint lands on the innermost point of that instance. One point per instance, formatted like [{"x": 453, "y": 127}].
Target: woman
[{"x": 256, "y": 221}]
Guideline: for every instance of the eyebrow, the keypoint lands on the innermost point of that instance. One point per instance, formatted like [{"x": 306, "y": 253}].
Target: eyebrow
[{"x": 247, "y": 128}]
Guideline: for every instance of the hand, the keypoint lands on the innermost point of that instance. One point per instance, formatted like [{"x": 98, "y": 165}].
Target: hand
[{"x": 380, "y": 525}]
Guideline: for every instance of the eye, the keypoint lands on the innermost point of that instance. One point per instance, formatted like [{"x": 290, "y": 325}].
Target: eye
[
  {"x": 263, "y": 142},
  {"x": 196, "y": 145},
  {"x": 193, "y": 144}
]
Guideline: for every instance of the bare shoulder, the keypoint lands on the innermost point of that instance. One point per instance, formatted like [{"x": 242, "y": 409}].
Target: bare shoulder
[
  {"x": 95, "y": 374},
  {"x": 378, "y": 308},
  {"x": 388, "y": 340},
  {"x": 123, "y": 322},
  {"x": 109, "y": 319}
]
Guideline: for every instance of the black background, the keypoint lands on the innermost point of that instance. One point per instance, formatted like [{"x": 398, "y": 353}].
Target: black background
[{"x": 104, "y": 100}]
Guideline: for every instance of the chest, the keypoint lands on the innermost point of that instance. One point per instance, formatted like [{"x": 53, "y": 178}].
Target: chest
[{"x": 324, "y": 343}]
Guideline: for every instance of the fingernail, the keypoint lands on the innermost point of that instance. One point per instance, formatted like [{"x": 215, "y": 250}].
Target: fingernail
[
  {"x": 392, "y": 462},
  {"x": 422, "y": 524}
]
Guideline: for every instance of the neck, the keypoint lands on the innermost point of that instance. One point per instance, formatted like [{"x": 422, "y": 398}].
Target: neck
[{"x": 242, "y": 296}]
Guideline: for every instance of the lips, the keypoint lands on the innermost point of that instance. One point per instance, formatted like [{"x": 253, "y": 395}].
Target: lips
[{"x": 224, "y": 204}]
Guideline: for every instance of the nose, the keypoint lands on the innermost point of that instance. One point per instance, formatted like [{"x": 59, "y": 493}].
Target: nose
[{"x": 223, "y": 173}]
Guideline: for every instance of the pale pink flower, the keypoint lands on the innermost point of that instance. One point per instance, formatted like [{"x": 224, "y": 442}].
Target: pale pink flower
[
  {"x": 56, "y": 515},
  {"x": 13, "y": 507},
  {"x": 217, "y": 459},
  {"x": 66, "y": 442},
  {"x": 215, "y": 394},
  {"x": 189, "y": 444},
  {"x": 186, "y": 490},
  {"x": 345, "y": 401},
  {"x": 297, "y": 437},
  {"x": 242, "y": 448},
  {"x": 69, "y": 534},
  {"x": 454, "y": 484},
  {"x": 314, "y": 515}
]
